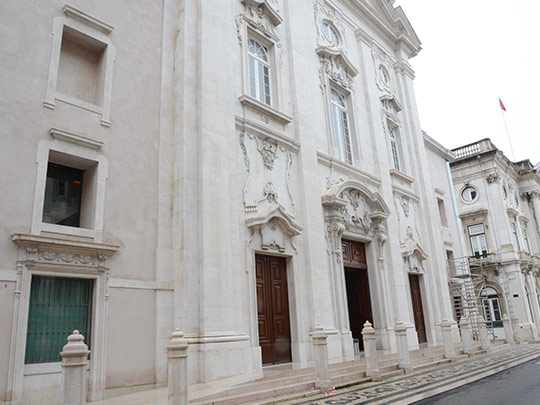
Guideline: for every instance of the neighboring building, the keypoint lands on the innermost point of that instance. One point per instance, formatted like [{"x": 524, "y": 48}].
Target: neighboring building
[
  {"x": 498, "y": 204},
  {"x": 244, "y": 170}
]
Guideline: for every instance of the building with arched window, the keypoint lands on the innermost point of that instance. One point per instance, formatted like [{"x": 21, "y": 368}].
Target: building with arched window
[
  {"x": 497, "y": 200},
  {"x": 244, "y": 170}
]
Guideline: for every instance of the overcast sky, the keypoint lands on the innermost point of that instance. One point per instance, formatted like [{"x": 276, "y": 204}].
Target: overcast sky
[{"x": 473, "y": 52}]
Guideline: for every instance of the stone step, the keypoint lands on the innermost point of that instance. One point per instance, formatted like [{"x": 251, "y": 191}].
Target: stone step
[{"x": 262, "y": 395}]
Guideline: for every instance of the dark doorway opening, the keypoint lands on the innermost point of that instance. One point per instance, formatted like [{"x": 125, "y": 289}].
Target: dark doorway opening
[{"x": 357, "y": 284}]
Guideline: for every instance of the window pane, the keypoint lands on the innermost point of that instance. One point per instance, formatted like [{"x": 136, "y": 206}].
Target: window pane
[
  {"x": 57, "y": 307},
  {"x": 63, "y": 188},
  {"x": 476, "y": 229},
  {"x": 252, "y": 83}
]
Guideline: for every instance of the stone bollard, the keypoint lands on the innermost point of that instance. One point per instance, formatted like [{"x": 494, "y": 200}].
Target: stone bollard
[
  {"x": 177, "y": 364},
  {"x": 485, "y": 343},
  {"x": 508, "y": 333},
  {"x": 518, "y": 337},
  {"x": 466, "y": 336},
  {"x": 449, "y": 350},
  {"x": 403, "y": 346},
  {"x": 74, "y": 362},
  {"x": 320, "y": 352},
  {"x": 370, "y": 352}
]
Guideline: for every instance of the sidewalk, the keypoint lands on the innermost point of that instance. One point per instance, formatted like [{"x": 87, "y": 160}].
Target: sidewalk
[
  {"x": 408, "y": 389},
  {"x": 398, "y": 390}
]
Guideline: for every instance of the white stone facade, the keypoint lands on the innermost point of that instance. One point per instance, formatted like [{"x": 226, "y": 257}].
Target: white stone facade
[
  {"x": 195, "y": 167},
  {"x": 504, "y": 206}
]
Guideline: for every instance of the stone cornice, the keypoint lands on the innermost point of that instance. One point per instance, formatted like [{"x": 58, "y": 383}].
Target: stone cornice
[{"x": 23, "y": 239}]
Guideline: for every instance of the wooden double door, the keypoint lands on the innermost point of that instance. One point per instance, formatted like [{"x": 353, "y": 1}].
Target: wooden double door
[
  {"x": 418, "y": 311},
  {"x": 273, "y": 309},
  {"x": 357, "y": 284}
]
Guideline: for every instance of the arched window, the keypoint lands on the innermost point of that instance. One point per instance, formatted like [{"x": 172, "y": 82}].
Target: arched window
[
  {"x": 259, "y": 72},
  {"x": 491, "y": 307},
  {"x": 340, "y": 124}
]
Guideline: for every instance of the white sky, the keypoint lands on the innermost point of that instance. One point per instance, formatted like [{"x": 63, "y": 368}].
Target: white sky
[{"x": 473, "y": 52}]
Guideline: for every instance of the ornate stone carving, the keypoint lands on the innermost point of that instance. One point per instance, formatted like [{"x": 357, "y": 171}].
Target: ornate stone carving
[
  {"x": 324, "y": 13},
  {"x": 260, "y": 16},
  {"x": 243, "y": 146},
  {"x": 406, "y": 205},
  {"x": 66, "y": 258},
  {"x": 331, "y": 183},
  {"x": 335, "y": 70},
  {"x": 381, "y": 59},
  {"x": 493, "y": 177},
  {"x": 268, "y": 150}
]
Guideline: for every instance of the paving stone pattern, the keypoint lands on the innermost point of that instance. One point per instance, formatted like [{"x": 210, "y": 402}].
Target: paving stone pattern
[{"x": 400, "y": 388}]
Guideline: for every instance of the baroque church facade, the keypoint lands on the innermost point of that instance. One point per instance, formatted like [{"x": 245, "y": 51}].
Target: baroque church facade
[{"x": 244, "y": 170}]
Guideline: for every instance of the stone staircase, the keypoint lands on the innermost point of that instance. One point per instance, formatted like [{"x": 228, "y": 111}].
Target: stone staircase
[{"x": 282, "y": 383}]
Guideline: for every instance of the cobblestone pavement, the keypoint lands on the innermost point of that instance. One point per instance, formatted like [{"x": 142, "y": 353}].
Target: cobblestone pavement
[{"x": 411, "y": 388}]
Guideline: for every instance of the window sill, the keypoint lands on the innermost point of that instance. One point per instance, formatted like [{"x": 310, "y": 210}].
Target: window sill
[
  {"x": 265, "y": 109},
  {"x": 71, "y": 230},
  {"x": 396, "y": 174},
  {"x": 42, "y": 368}
]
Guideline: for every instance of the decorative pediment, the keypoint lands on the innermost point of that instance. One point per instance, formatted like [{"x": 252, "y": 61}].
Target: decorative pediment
[
  {"x": 270, "y": 215},
  {"x": 392, "y": 23},
  {"x": 390, "y": 105},
  {"x": 355, "y": 194},
  {"x": 338, "y": 58},
  {"x": 267, "y": 8}
]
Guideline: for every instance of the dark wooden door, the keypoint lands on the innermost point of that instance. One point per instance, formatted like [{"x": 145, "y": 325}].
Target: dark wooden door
[
  {"x": 416, "y": 297},
  {"x": 357, "y": 284},
  {"x": 273, "y": 309}
]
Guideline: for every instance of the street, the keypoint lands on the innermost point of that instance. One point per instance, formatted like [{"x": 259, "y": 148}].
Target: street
[{"x": 518, "y": 386}]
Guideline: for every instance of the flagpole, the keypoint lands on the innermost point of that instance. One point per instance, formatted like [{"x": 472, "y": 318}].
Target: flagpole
[{"x": 507, "y": 133}]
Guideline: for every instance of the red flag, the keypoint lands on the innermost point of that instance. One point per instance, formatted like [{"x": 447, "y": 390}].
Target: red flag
[{"x": 502, "y": 105}]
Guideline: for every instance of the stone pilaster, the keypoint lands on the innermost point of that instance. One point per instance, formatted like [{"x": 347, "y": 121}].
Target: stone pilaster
[{"x": 508, "y": 332}]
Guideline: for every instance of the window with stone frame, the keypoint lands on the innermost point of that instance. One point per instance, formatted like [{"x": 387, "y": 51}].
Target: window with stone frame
[
  {"x": 477, "y": 239},
  {"x": 393, "y": 137},
  {"x": 58, "y": 306},
  {"x": 341, "y": 125},
  {"x": 260, "y": 71},
  {"x": 491, "y": 307}
]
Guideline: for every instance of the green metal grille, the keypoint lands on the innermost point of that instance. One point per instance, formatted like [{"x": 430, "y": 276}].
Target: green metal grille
[{"x": 57, "y": 307}]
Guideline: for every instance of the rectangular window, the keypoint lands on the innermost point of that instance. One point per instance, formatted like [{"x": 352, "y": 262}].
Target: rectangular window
[
  {"x": 63, "y": 192},
  {"x": 58, "y": 306},
  {"x": 516, "y": 236},
  {"x": 340, "y": 126},
  {"x": 442, "y": 212},
  {"x": 477, "y": 238},
  {"x": 394, "y": 147}
]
